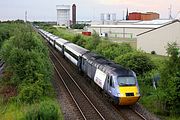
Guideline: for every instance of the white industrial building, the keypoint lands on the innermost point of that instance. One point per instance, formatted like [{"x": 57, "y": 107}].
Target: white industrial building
[
  {"x": 63, "y": 15},
  {"x": 158, "y": 38},
  {"x": 150, "y": 35}
]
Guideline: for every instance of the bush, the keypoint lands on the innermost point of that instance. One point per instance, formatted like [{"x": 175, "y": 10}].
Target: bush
[
  {"x": 78, "y": 26},
  {"x": 153, "y": 52},
  {"x": 46, "y": 110},
  {"x": 137, "y": 61},
  {"x": 170, "y": 81},
  {"x": 112, "y": 50},
  {"x": 76, "y": 38},
  {"x": 27, "y": 60},
  {"x": 149, "y": 77},
  {"x": 30, "y": 93}
]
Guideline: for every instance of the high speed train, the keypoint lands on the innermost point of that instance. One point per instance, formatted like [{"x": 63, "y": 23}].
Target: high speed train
[{"x": 119, "y": 83}]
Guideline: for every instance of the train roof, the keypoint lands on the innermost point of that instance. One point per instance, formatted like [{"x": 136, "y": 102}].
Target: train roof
[
  {"x": 107, "y": 66},
  {"x": 61, "y": 41},
  {"x": 77, "y": 50}
]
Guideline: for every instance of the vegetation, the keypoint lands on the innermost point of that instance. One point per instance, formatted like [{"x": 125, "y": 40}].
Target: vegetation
[
  {"x": 26, "y": 81},
  {"x": 78, "y": 26},
  {"x": 158, "y": 76},
  {"x": 137, "y": 61},
  {"x": 170, "y": 82},
  {"x": 164, "y": 100}
]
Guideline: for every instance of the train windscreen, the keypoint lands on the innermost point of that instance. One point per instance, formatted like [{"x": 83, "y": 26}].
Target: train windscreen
[{"x": 126, "y": 81}]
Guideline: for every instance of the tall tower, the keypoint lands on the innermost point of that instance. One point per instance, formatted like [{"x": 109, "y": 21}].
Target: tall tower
[
  {"x": 113, "y": 15},
  {"x": 73, "y": 14},
  {"x": 63, "y": 15}
]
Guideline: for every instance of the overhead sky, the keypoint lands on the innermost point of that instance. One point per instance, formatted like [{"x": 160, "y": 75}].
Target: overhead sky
[{"x": 45, "y": 10}]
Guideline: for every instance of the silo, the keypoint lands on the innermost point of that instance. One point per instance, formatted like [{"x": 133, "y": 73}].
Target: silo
[
  {"x": 102, "y": 16},
  {"x": 73, "y": 14},
  {"x": 63, "y": 15},
  {"x": 113, "y": 16},
  {"x": 108, "y": 16}
]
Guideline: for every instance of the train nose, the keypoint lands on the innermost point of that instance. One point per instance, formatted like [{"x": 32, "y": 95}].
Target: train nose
[
  {"x": 129, "y": 95},
  {"x": 128, "y": 100}
]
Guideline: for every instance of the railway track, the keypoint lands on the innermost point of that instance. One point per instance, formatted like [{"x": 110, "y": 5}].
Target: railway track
[
  {"x": 85, "y": 106},
  {"x": 83, "y": 103},
  {"x": 129, "y": 113}
]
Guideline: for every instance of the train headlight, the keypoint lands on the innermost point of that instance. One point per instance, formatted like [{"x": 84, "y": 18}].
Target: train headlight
[
  {"x": 137, "y": 94},
  {"x": 120, "y": 95}
]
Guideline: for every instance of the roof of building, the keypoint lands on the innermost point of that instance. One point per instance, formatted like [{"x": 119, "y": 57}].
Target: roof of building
[
  {"x": 126, "y": 26},
  {"x": 165, "y": 24},
  {"x": 152, "y": 24}
]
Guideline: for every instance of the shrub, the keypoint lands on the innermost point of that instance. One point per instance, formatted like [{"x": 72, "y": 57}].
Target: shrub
[
  {"x": 76, "y": 38},
  {"x": 30, "y": 93},
  {"x": 153, "y": 52},
  {"x": 112, "y": 50},
  {"x": 149, "y": 77},
  {"x": 46, "y": 110},
  {"x": 137, "y": 61},
  {"x": 170, "y": 80}
]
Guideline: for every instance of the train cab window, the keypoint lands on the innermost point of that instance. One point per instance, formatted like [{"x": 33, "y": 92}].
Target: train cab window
[
  {"x": 126, "y": 81},
  {"x": 111, "y": 82}
]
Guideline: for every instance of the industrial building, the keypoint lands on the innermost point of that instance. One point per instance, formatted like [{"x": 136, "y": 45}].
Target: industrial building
[
  {"x": 158, "y": 38},
  {"x": 153, "y": 35},
  {"x": 127, "y": 29},
  {"x": 63, "y": 15},
  {"x": 143, "y": 16}
]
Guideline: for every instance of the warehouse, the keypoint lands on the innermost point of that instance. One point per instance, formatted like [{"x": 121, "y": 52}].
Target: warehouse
[
  {"x": 158, "y": 38},
  {"x": 127, "y": 29},
  {"x": 151, "y": 35},
  {"x": 121, "y": 31}
]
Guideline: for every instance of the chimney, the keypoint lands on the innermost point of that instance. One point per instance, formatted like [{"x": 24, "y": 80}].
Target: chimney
[{"x": 73, "y": 14}]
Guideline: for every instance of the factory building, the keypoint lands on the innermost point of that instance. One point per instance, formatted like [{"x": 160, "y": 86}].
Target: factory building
[
  {"x": 73, "y": 14},
  {"x": 143, "y": 16},
  {"x": 158, "y": 38},
  {"x": 134, "y": 16},
  {"x": 153, "y": 35},
  {"x": 63, "y": 15},
  {"x": 127, "y": 29},
  {"x": 149, "y": 16}
]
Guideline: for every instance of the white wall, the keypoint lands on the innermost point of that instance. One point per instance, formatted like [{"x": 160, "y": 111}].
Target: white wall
[
  {"x": 63, "y": 16},
  {"x": 120, "y": 31},
  {"x": 158, "y": 39}
]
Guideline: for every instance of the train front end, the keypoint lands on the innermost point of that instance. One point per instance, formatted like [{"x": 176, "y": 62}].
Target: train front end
[{"x": 128, "y": 90}]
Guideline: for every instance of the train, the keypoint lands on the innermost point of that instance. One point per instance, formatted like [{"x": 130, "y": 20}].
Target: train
[{"x": 118, "y": 83}]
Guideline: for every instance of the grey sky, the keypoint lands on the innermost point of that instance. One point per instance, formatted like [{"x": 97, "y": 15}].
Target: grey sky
[{"x": 86, "y": 9}]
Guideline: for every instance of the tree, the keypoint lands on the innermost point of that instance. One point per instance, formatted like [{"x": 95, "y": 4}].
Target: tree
[
  {"x": 170, "y": 80},
  {"x": 137, "y": 61}
]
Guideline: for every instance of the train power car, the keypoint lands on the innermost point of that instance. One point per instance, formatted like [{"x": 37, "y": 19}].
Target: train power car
[{"x": 119, "y": 83}]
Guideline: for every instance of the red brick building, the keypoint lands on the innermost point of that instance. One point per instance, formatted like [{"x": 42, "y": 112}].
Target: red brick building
[
  {"x": 134, "y": 16},
  {"x": 143, "y": 16}
]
